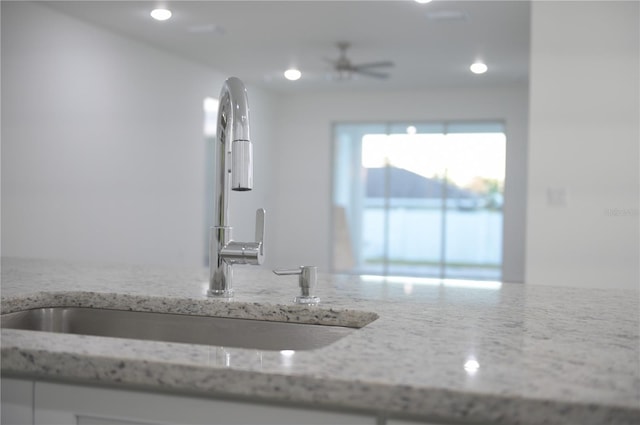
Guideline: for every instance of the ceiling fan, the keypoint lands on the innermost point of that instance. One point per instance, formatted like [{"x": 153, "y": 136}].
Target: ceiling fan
[{"x": 345, "y": 69}]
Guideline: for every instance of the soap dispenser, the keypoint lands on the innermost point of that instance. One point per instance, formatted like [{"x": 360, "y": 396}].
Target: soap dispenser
[{"x": 308, "y": 278}]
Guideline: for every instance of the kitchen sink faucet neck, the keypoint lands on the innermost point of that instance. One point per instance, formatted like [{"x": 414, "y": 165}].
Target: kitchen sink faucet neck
[{"x": 234, "y": 171}]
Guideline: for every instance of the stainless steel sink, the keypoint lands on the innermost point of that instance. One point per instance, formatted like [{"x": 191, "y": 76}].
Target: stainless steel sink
[{"x": 220, "y": 331}]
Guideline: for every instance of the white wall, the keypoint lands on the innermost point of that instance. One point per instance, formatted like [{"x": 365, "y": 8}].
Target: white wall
[
  {"x": 99, "y": 164},
  {"x": 102, "y": 144},
  {"x": 103, "y": 152},
  {"x": 582, "y": 225},
  {"x": 303, "y": 167}
]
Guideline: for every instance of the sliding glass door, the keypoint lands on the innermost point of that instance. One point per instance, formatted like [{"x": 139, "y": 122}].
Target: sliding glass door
[{"x": 419, "y": 199}]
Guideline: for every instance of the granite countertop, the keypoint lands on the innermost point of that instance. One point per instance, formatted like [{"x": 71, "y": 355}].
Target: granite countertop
[{"x": 452, "y": 351}]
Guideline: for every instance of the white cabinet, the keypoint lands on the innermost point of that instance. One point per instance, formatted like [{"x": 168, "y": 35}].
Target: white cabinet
[
  {"x": 17, "y": 401},
  {"x": 403, "y": 422},
  {"x": 71, "y": 404},
  {"x": 43, "y": 403}
]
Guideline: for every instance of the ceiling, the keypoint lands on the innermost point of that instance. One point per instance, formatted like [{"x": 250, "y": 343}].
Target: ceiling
[{"x": 432, "y": 45}]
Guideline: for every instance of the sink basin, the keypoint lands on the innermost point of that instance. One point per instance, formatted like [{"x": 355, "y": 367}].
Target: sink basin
[{"x": 219, "y": 331}]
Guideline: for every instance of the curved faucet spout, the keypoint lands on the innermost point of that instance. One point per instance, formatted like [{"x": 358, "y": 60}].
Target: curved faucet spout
[
  {"x": 234, "y": 157},
  {"x": 233, "y": 110}
]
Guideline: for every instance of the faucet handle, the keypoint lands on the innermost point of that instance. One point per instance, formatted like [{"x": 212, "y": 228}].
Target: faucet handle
[
  {"x": 308, "y": 278},
  {"x": 247, "y": 252},
  {"x": 260, "y": 212}
]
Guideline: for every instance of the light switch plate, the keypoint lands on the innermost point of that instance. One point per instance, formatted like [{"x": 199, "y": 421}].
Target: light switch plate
[{"x": 557, "y": 196}]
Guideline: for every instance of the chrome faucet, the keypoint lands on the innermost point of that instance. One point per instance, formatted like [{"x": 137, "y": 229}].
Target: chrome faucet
[{"x": 234, "y": 168}]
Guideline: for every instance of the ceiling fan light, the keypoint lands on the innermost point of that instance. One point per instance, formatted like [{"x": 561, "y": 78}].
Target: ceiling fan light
[
  {"x": 292, "y": 74},
  {"x": 344, "y": 74}
]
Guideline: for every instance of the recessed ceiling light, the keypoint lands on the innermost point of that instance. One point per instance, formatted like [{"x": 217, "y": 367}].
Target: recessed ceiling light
[
  {"x": 478, "y": 68},
  {"x": 161, "y": 14},
  {"x": 292, "y": 74},
  {"x": 423, "y": 1}
]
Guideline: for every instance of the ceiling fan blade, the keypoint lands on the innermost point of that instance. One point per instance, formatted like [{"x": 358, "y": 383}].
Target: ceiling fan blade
[
  {"x": 370, "y": 73},
  {"x": 374, "y": 65},
  {"x": 344, "y": 69}
]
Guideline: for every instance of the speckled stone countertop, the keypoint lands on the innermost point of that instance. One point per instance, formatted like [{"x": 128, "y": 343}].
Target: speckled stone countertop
[{"x": 449, "y": 351}]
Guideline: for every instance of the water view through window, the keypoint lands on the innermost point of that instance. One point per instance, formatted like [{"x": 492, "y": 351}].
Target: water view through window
[{"x": 419, "y": 199}]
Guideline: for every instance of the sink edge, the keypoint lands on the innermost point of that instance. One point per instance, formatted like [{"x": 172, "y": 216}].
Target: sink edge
[{"x": 317, "y": 315}]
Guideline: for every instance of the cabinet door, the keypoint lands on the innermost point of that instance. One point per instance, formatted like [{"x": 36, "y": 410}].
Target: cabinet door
[
  {"x": 17, "y": 402},
  {"x": 71, "y": 404}
]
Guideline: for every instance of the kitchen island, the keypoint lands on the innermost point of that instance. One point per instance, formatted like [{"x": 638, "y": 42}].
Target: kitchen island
[{"x": 452, "y": 352}]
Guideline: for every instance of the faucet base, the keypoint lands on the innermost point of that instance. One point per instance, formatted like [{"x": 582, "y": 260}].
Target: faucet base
[
  {"x": 306, "y": 300},
  {"x": 220, "y": 293}
]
